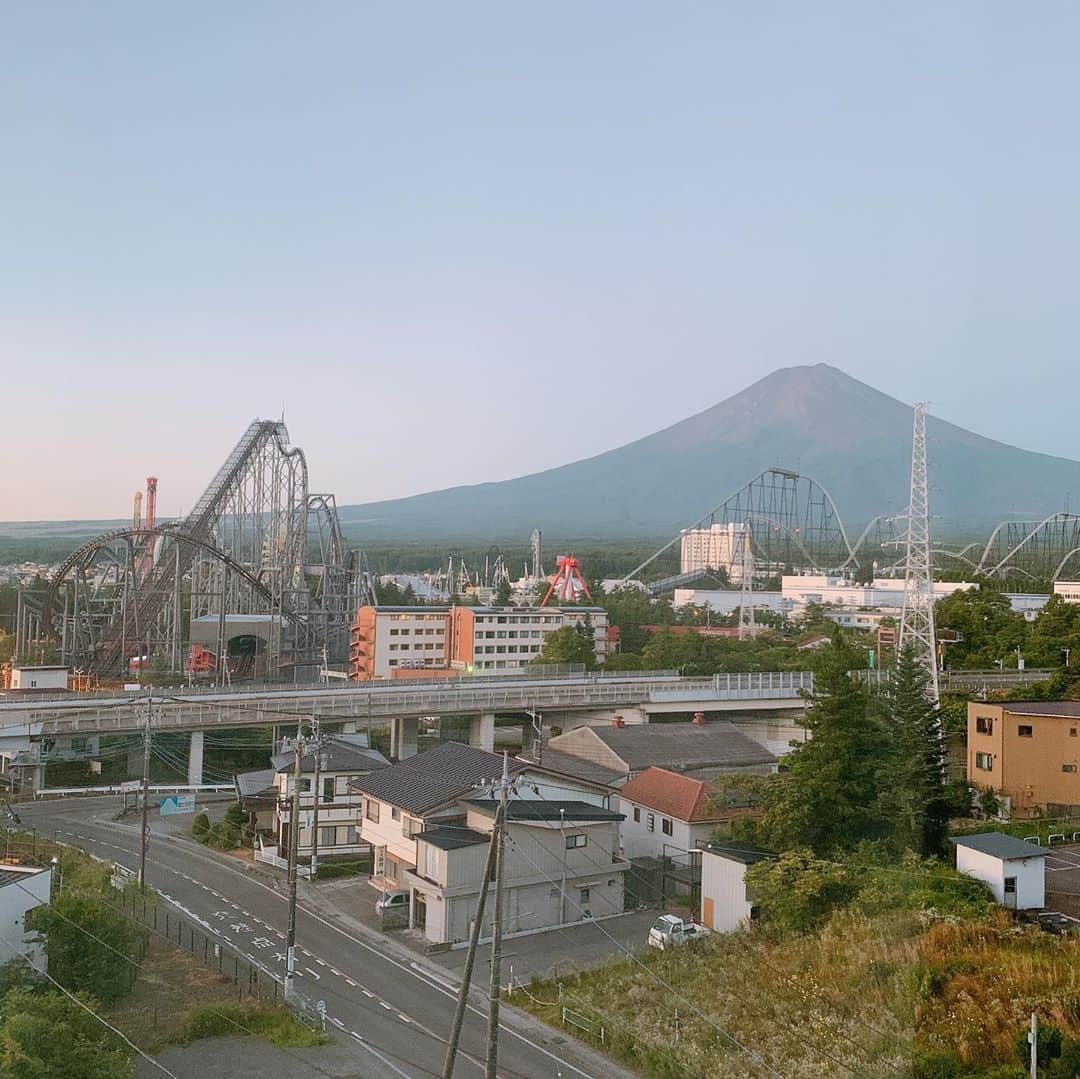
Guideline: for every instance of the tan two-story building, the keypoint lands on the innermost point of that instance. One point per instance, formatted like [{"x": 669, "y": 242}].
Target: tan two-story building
[{"x": 1028, "y": 752}]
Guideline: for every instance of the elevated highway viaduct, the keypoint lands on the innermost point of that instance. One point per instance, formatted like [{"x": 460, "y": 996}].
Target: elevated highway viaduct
[{"x": 567, "y": 701}]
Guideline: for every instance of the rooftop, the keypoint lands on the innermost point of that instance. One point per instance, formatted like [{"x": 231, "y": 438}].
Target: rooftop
[
  {"x": 672, "y": 794},
  {"x": 681, "y": 746},
  {"x": 1041, "y": 708},
  {"x": 252, "y": 784},
  {"x": 736, "y": 853},
  {"x": 577, "y": 767},
  {"x": 544, "y": 810},
  {"x": 11, "y": 874},
  {"x": 429, "y": 780},
  {"x": 453, "y": 838},
  {"x": 999, "y": 845},
  {"x": 340, "y": 755}
]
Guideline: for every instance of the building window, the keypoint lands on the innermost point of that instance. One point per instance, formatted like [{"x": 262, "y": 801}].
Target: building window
[
  {"x": 410, "y": 826},
  {"x": 1072, "y": 732},
  {"x": 578, "y": 839},
  {"x": 583, "y": 896},
  {"x": 328, "y": 837},
  {"x": 328, "y": 789},
  {"x": 1024, "y": 730},
  {"x": 984, "y": 725},
  {"x": 665, "y": 826},
  {"x": 346, "y": 835},
  {"x": 650, "y": 822},
  {"x": 637, "y": 815},
  {"x": 1068, "y": 767},
  {"x": 395, "y": 813},
  {"x": 984, "y": 762},
  {"x": 371, "y": 811}
]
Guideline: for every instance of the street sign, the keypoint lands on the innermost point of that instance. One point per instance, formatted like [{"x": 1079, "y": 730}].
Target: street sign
[
  {"x": 177, "y": 803},
  {"x": 130, "y": 786}
]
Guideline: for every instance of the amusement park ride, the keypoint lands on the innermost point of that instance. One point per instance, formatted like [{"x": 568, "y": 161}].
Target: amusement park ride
[{"x": 257, "y": 571}]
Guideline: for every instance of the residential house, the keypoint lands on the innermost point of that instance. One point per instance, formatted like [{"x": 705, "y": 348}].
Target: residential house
[
  {"x": 22, "y": 889},
  {"x": 560, "y": 865},
  {"x": 343, "y": 760},
  {"x": 669, "y": 813},
  {"x": 726, "y": 901},
  {"x": 699, "y": 748},
  {"x": 1014, "y": 868},
  {"x": 430, "y": 793},
  {"x": 1029, "y": 752},
  {"x": 257, "y": 793}
]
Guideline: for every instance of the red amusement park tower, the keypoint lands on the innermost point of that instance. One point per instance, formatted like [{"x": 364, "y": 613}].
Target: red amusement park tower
[{"x": 568, "y": 582}]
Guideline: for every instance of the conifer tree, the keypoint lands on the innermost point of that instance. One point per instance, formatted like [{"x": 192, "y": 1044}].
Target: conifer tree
[
  {"x": 913, "y": 778},
  {"x": 830, "y": 799}
]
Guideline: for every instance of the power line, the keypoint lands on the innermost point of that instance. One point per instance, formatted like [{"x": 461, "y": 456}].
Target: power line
[{"x": 86, "y": 1008}]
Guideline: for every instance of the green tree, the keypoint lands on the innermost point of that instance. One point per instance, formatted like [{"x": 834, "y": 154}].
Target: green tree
[
  {"x": 49, "y": 1036},
  {"x": 913, "y": 773},
  {"x": 503, "y": 593},
  {"x": 90, "y": 948},
  {"x": 989, "y": 628},
  {"x": 568, "y": 645},
  {"x": 797, "y": 891},
  {"x": 830, "y": 799}
]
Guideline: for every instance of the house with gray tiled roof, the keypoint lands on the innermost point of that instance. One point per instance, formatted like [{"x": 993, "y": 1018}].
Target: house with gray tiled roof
[{"x": 426, "y": 820}]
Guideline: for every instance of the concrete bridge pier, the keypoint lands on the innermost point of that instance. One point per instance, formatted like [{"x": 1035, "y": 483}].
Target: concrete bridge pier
[
  {"x": 482, "y": 731},
  {"x": 403, "y": 731},
  {"x": 195, "y": 760}
]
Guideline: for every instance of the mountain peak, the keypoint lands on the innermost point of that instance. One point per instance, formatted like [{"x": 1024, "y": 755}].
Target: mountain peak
[{"x": 816, "y": 419}]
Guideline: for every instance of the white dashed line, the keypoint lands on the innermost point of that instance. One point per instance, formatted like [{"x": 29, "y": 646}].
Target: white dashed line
[
  {"x": 383, "y": 1004},
  {"x": 350, "y": 982},
  {"x": 367, "y": 993}
]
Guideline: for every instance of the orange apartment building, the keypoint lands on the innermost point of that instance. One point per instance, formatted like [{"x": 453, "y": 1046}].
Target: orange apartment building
[
  {"x": 1027, "y": 751},
  {"x": 432, "y": 642}
]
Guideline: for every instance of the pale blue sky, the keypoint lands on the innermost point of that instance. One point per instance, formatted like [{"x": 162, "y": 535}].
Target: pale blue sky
[{"x": 462, "y": 242}]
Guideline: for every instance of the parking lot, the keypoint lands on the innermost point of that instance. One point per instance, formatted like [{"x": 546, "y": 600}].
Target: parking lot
[{"x": 1063, "y": 879}]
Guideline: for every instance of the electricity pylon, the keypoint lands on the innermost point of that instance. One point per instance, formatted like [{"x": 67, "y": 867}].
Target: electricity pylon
[
  {"x": 747, "y": 624},
  {"x": 917, "y": 616}
]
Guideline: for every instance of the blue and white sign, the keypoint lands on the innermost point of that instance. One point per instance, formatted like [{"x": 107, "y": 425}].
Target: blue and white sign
[{"x": 177, "y": 803}]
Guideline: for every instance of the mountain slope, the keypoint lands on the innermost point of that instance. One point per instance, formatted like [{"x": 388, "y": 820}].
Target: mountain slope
[{"x": 851, "y": 438}]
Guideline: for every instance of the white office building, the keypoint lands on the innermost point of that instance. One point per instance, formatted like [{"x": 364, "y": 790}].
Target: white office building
[{"x": 716, "y": 547}]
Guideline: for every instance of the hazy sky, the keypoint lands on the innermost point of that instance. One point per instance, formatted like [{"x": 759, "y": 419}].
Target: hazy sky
[{"x": 460, "y": 242}]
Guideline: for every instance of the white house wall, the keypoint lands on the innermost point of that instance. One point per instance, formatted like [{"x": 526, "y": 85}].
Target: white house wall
[{"x": 724, "y": 881}]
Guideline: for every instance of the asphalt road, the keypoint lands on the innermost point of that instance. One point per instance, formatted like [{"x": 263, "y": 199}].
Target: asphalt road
[{"x": 392, "y": 1008}]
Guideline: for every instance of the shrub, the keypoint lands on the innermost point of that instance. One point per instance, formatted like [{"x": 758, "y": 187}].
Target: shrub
[
  {"x": 798, "y": 891},
  {"x": 236, "y": 815},
  {"x": 200, "y": 827},
  {"x": 224, "y": 836},
  {"x": 276, "y": 1025},
  {"x": 91, "y": 949}
]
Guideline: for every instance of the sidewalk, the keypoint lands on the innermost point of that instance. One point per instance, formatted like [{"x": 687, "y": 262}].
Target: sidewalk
[{"x": 550, "y": 954}]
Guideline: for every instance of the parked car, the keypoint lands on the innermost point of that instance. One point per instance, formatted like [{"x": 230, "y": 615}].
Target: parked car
[
  {"x": 669, "y": 931},
  {"x": 392, "y": 901}
]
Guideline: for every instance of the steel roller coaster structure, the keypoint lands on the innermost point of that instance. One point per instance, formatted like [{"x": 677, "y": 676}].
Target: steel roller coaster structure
[
  {"x": 795, "y": 527},
  {"x": 259, "y": 552}
]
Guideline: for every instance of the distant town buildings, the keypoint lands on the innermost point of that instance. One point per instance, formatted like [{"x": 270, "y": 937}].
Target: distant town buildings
[{"x": 417, "y": 642}]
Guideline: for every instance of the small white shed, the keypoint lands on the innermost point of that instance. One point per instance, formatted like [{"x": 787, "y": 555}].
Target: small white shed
[
  {"x": 726, "y": 903},
  {"x": 1014, "y": 868},
  {"x": 51, "y": 676}
]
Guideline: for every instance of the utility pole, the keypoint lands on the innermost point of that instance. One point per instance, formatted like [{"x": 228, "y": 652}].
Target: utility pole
[
  {"x": 294, "y": 842},
  {"x": 316, "y": 794},
  {"x": 470, "y": 957},
  {"x": 1033, "y": 1038},
  {"x": 495, "y": 984},
  {"x": 145, "y": 833}
]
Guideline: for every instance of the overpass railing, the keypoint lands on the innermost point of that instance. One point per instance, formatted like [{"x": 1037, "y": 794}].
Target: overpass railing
[{"x": 761, "y": 685}]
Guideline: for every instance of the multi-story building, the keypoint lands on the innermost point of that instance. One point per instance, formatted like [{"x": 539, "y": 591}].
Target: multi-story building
[
  {"x": 1069, "y": 591},
  {"x": 405, "y": 642},
  {"x": 343, "y": 760},
  {"x": 716, "y": 547},
  {"x": 1028, "y": 752},
  {"x": 430, "y": 794}
]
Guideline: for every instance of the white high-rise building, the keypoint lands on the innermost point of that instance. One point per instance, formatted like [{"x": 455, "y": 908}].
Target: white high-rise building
[{"x": 716, "y": 547}]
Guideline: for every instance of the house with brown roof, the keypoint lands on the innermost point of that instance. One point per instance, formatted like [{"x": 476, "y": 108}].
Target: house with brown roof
[{"x": 667, "y": 813}]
